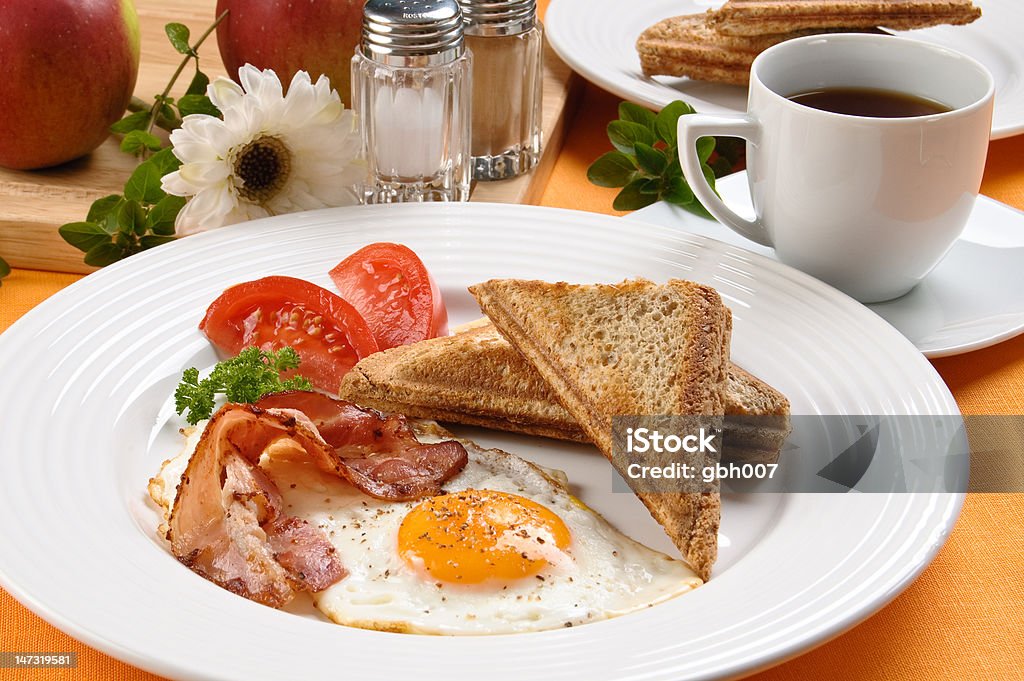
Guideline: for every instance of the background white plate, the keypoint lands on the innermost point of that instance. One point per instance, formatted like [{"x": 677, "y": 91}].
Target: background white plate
[
  {"x": 87, "y": 373},
  {"x": 971, "y": 300},
  {"x": 596, "y": 38}
]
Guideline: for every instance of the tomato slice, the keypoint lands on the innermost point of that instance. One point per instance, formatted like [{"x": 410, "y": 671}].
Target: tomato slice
[
  {"x": 393, "y": 291},
  {"x": 271, "y": 313}
]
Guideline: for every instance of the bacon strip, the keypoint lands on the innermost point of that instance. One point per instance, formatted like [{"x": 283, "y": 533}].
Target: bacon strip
[
  {"x": 378, "y": 454},
  {"x": 227, "y": 524}
]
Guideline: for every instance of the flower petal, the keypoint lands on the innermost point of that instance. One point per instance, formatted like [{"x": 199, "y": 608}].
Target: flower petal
[
  {"x": 208, "y": 209},
  {"x": 205, "y": 174},
  {"x": 264, "y": 85},
  {"x": 173, "y": 184},
  {"x": 224, "y": 93}
]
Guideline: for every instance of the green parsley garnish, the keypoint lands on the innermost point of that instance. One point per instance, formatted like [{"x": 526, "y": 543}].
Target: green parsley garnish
[{"x": 245, "y": 378}]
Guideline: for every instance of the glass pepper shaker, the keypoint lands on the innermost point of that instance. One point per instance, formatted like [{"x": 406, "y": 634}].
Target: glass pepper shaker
[
  {"x": 507, "y": 45},
  {"x": 411, "y": 88}
]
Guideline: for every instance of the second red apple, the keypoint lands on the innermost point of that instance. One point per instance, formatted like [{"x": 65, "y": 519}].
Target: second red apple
[{"x": 318, "y": 36}]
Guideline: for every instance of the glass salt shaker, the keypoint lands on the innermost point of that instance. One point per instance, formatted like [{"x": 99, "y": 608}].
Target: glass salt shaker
[
  {"x": 411, "y": 88},
  {"x": 508, "y": 71}
]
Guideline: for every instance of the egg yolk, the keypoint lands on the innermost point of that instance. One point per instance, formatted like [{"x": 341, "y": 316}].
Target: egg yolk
[{"x": 470, "y": 536}]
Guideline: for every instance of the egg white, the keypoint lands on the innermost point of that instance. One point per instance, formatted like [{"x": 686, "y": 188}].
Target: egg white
[{"x": 602, "y": 574}]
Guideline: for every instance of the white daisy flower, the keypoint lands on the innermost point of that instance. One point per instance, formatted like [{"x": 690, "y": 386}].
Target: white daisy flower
[{"x": 273, "y": 153}]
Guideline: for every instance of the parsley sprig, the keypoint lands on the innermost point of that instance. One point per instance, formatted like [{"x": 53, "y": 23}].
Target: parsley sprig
[
  {"x": 5, "y": 269},
  {"x": 245, "y": 378},
  {"x": 645, "y": 162}
]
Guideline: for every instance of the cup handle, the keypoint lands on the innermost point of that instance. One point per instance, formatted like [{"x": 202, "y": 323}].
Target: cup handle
[{"x": 691, "y": 128}]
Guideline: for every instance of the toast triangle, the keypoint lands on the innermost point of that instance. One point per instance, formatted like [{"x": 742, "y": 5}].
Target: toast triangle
[
  {"x": 634, "y": 348},
  {"x": 476, "y": 377}
]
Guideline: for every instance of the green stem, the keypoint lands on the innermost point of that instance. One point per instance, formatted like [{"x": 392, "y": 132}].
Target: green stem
[
  {"x": 168, "y": 124},
  {"x": 162, "y": 97}
]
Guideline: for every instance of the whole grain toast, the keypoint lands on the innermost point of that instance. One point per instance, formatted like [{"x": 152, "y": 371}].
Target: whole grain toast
[
  {"x": 476, "y": 377},
  {"x": 689, "y": 46},
  {"x": 765, "y": 17},
  {"x": 634, "y": 348}
]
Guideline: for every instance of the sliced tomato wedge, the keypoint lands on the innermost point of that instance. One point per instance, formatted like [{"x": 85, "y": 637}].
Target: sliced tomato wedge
[
  {"x": 274, "y": 312},
  {"x": 392, "y": 289}
]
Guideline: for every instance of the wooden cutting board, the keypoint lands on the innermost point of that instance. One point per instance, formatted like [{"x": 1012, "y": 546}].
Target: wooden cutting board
[{"x": 33, "y": 204}]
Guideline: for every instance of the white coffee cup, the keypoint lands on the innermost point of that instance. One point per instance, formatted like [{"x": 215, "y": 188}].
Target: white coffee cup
[{"x": 869, "y": 205}]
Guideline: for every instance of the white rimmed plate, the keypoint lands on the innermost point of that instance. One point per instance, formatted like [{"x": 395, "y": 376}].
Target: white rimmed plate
[
  {"x": 596, "y": 38},
  {"x": 971, "y": 300},
  {"x": 87, "y": 373}
]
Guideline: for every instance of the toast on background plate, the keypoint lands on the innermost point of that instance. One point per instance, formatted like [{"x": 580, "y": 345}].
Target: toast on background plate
[
  {"x": 761, "y": 17},
  {"x": 688, "y": 46},
  {"x": 720, "y": 45},
  {"x": 634, "y": 348},
  {"x": 476, "y": 377}
]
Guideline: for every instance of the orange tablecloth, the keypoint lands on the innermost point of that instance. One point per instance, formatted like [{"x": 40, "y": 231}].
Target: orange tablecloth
[{"x": 963, "y": 618}]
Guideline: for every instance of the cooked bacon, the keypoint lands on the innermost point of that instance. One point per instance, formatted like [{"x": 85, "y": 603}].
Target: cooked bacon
[
  {"x": 378, "y": 454},
  {"x": 227, "y": 522}
]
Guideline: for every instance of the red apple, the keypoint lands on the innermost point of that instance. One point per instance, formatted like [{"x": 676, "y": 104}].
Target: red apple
[
  {"x": 67, "y": 71},
  {"x": 318, "y": 36}
]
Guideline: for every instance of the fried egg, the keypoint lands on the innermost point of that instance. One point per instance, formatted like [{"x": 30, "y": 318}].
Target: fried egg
[{"x": 505, "y": 548}]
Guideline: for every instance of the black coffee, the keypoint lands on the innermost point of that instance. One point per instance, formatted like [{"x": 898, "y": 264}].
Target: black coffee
[{"x": 856, "y": 101}]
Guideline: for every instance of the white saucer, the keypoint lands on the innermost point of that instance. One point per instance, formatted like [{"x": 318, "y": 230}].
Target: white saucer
[{"x": 973, "y": 298}]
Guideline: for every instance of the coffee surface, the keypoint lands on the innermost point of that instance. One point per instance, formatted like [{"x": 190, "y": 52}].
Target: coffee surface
[{"x": 869, "y": 102}]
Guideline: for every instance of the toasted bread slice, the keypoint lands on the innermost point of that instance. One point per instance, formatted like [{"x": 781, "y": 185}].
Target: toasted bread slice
[
  {"x": 761, "y": 17},
  {"x": 635, "y": 348},
  {"x": 688, "y": 46},
  {"x": 477, "y": 378}
]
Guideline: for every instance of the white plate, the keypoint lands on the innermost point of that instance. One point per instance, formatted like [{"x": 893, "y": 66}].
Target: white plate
[
  {"x": 971, "y": 300},
  {"x": 596, "y": 38},
  {"x": 87, "y": 373}
]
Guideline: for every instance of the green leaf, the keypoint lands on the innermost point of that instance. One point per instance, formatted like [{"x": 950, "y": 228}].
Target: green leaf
[
  {"x": 131, "y": 218},
  {"x": 625, "y": 134},
  {"x": 101, "y": 208},
  {"x": 102, "y": 255},
  {"x": 197, "y": 104},
  {"x": 5, "y": 269},
  {"x": 666, "y": 122},
  {"x": 631, "y": 198},
  {"x": 651, "y": 186},
  {"x": 144, "y": 184},
  {"x": 199, "y": 83},
  {"x": 154, "y": 240},
  {"x": 109, "y": 223},
  {"x": 126, "y": 242},
  {"x": 165, "y": 109},
  {"x": 697, "y": 208},
  {"x": 164, "y": 161},
  {"x": 721, "y": 166},
  {"x": 133, "y": 121},
  {"x": 709, "y": 175},
  {"x": 651, "y": 160},
  {"x": 705, "y": 146},
  {"x": 178, "y": 34},
  {"x": 678, "y": 192},
  {"x": 162, "y": 215},
  {"x": 138, "y": 141},
  {"x": 628, "y": 111},
  {"x": 673, "y": 170},
  {"x": 84, "y": 235},
  {"x": 613, "y": 169}
]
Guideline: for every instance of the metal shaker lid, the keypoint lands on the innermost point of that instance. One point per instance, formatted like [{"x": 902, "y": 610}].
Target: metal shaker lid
[
  {"x": 412, "y": 32},
  {"x": 497, "y": 17}
]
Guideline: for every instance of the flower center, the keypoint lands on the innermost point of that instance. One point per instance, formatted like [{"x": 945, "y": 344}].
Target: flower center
[{"x": 263, "y": 166}]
